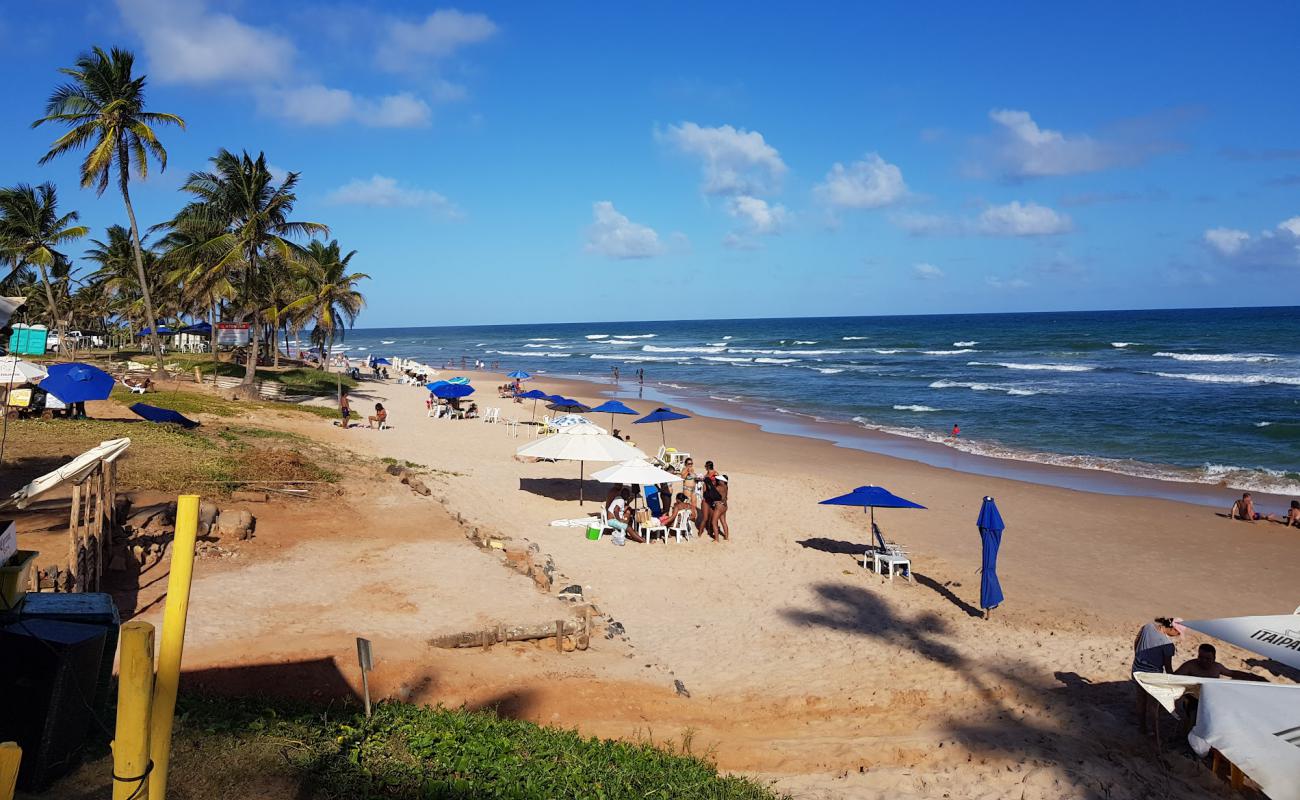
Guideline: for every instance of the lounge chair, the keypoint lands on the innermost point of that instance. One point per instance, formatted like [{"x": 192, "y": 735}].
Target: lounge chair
[{"x": 887, "y": 554}]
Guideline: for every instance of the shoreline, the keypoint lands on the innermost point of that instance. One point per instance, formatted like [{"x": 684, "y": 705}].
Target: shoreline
[{"x": 854, "y": 436}]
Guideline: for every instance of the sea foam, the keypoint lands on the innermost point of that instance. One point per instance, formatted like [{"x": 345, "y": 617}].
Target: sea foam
[
  {"x": 1238, "y": 358},
  {"x": 1033, "y": 367}
]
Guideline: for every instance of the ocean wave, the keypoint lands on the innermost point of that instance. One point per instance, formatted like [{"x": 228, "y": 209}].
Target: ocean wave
[
  {"x": 726, "y": 359},
  {"x": 828, "y": 370},
  {"x": 1239, "y": 358},
  {"x": 597, "y": 336},
  {"x": 630, "y": 358},
  {"x": 381, "y": 341},
  {"x": 636, "y": 336},
  {"x": 650, "y": 348},
  {"x": 1035, "y": 367},
  {"x": 527, "y": 354},
  {"x": 1262, "y": 424},
  {"x": 717, "y": 344},
  {"x": 673, "y": 385},
  {"x": 544, "y": 339},
  {"x": 948, "y": 352},
  {"x": 555, "y": 346},
  {"x": 1245, "y": 380},
  {"x": 855, "y": 338},
  {"x": 724, "y": 398},
  {"x": 775, "y": 360},
  {"x": 985, "y": 387},
  {"x": 1122, "y": 345},
  {"x": 885, "y": 352},
  {"x": 796, "y": 341},
  {"x": 783, "y": 352},
  {"x": 914, "y": 408},
  {"x": 965, "y": 344}
]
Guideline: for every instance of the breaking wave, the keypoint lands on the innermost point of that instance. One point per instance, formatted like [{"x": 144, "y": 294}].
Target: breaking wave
[{"x": 1238, "y": 358}]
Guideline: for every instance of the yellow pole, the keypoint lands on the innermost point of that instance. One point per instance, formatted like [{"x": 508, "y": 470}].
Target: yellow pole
[
  {"x": 11, "y": 755},
  {"x": 173, "y": 641},
  {"x": 134, "y": 696}
]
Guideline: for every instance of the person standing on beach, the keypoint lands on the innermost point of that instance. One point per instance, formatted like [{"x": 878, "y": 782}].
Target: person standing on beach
[
  {"x": 955, "y": 431},
  {"x": 345, "y": 407},
  {"x": 712, "y": 499},
  {"x": 1153, "y": 651},
  {"x": 614, "y": 369}
]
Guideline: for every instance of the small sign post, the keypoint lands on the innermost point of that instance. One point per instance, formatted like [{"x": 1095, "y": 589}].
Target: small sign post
[{"x": 363, "y": 658}]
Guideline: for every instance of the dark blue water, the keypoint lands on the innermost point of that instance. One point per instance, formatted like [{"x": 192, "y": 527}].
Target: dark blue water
[{"x": 1205, "y": 396}]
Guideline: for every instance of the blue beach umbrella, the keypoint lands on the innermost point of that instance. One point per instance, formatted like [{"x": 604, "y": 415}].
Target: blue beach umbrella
[
  {"x": 871, "y": 498},
  {"x": 568, "y": 404},
  {"x": 198, "y": 328},
  {"x": 77, "y": 383},
  {"x": 459, "y": 380},
  {"x": 163, "y": 330},
  {"x": 661, "y": 415},
  {"x": 383, "y": 361},
  {"x": 613, "y": 407},
  {"x": 519, "y": 375},
  {"x": 435, "y": 385},
  {"x": 156, "y": 414},
  {"x": 452, "y": 390},
  {"x": 534, "y": 395},
  {"x": 990, "y": 525}
]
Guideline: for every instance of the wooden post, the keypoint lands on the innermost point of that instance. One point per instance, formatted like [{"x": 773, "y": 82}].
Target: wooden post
[
  {"x": 74, "y": 537},
  {"x": 1236, "y": 778},
  {"x": 559, "y": 636},
  {"x": 97, "y": 527}
]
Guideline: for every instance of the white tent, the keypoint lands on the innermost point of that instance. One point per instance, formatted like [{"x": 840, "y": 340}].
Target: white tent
[
  {"x": 581, "y": 443},
  {"x": 1275, "y": 636},
  {"x": 15, "y": 370},
  {"x": 1256, "y": 726},
  {"x": 74, "y": 470},
  {"x": 638, "y": 472},
  {"x": 8, "y": 305}
]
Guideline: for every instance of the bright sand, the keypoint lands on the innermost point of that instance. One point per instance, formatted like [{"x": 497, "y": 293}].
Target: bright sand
[{"x": 801, "y": 666}]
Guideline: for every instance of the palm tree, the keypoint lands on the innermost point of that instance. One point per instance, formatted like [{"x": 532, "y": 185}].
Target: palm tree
[
  {"x": 117, "y": 277},
  {"x": 31, "y": 228},
  {"x": 238, "y": 196},
  {"x": 203, "y": 287},
  {"x": 329, "y": 296},
  {"x": 103, "y": 106}
]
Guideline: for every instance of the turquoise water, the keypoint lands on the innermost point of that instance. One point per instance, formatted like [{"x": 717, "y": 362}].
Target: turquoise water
[{"x": 1203, "y": 396}]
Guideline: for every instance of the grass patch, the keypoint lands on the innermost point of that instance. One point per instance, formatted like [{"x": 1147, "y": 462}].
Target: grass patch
[
  {"x": 190, "y": 403},
  {"x": 406, "y": 752}
]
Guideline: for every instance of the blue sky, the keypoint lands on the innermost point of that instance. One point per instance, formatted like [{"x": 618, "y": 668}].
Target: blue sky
[{"x": 593, "y": 161}]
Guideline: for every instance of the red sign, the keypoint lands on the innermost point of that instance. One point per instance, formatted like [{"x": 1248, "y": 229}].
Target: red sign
[{"x": 234, "y": 333}]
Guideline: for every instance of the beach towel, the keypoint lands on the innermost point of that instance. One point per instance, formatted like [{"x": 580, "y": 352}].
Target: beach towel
[{"x": 155, "y": 414}]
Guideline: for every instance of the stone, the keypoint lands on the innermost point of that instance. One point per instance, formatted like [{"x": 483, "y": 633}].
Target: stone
[
  {"x": 496, "y": 544},
  {"x": 542, "y": 580},
  {"x": 583, "y": 641},
  {"x": 245, "y": 496},
  {"x": 418, "y": 486},
  {"x": 569, "y": 645},
  {"x": 395, "y": 469},
  {"x": 681, "y": 689},
  {"x": 534, "y": 547},
  {"x": 572, "y": 592},
  {"x": 615, "y": 629},
  {"x": 207, "y": 515},
  {"x": 519, "y": 561},
  {"x": 234, "y": 522},
  {"x": 137, "y": 554}
]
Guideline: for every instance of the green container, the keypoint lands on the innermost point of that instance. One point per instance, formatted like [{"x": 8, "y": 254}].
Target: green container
[{"x": 593, "y": 531}]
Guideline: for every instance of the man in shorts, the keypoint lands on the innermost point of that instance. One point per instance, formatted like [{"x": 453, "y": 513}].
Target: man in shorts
[
  {"x": 1206, "y": 665},
  {"x": 345, "y": 408}
]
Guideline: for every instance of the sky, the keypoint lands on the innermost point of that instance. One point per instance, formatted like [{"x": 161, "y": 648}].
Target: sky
[{"x": 530, "y": 162}]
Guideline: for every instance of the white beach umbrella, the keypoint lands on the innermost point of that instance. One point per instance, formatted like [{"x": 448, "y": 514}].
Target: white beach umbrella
[
  {"x": 638, "y": 472},
  {"x": 581, "y": 443},
  {"x": 565, "y": 420},
  {"x": 1276, "y": 636},
  {"x": 15, "y": 370},
  {"x": 74, "y": 470}
]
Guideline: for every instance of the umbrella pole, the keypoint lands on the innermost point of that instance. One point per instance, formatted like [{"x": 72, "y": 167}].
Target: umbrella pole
[
  {"x": 581, "y": 468},
  {"x": 663, "y": 436}
]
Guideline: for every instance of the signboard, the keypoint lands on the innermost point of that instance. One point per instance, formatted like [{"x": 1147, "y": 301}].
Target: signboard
[
  {"x": 20, "y": 398},
  {"x": 236, "y": 334}
]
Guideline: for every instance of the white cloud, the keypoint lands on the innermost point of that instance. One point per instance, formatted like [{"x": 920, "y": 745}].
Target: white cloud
[
  {"x": 927, "y": 272},
  {"x": 1025, "y": 150},
  {"x": 919, "y": 224},
  {"x": 1006, "y": 283},
  {"x": 315, "y": 104},
  {"x": 733, "y": 161},
  {"x": 615, "y": 236},
  {"x": 1016, "y": 219},
  {"x": 759, "y": 217},
  {"x": 187, "y": 43},
  {"x": 380, "y": 191},
  {"x": 869, "y": 183},
  {"x": 438, "y": 36},
  {"x": 1269, "y": 249}
]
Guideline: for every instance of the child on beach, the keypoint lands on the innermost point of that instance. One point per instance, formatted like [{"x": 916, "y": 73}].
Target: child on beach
[{"x": 345, "y": 408}]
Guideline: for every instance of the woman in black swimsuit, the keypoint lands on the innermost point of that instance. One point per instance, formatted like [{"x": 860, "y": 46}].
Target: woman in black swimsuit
[{"x": 712, "y": 498}]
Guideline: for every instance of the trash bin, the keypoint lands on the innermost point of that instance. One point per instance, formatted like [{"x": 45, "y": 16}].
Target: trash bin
[{"x": 86, "y": 608}]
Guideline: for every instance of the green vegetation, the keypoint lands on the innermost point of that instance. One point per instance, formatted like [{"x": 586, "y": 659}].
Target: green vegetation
[{"x": 410, "y": 752}]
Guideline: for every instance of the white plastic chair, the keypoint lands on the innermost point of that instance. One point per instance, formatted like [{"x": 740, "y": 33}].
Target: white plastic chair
[
  {"x": 492, "y": 415},
  {"x": 682, "y": 526},
  {"x": 650, "y": 527}
]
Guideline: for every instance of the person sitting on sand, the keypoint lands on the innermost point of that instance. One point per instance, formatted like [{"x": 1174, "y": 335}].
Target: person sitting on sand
[
  {"x": 472, "y": 411},
  {"x": 1153, "y": 651},
  {"x": 379, "y": 417},
  {"x": 619, "y": 514},
  {"x": 1206, "y": 665},
  {"x": 1245, "y": 509},
  {"x": 1293, "y": 514}
]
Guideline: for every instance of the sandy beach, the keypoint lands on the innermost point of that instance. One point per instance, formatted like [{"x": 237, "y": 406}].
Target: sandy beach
[{"x": 801, "y": 666}]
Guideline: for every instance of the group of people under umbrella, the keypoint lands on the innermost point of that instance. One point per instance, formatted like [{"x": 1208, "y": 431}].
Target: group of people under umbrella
[{"x": 67, "y": 387}]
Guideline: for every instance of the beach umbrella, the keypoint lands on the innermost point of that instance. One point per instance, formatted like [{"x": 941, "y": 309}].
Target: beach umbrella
[
  {"x": 519, "y": 375},
  {"x": 459, "y": 379},
  {"x": 77, "y": 382},
  {"x": 661, "y": 415},
  {"x": 613, "y": 407},
  {"x": 990, "y": 525},
  {"x": 534, "y": 395},
  {"x": 452, "y": 390},
  {"x": 15, "y": 370},
  {"x": 871, "y": 498},
  {"x": 569, "y": 404},
  {"x": 1275, "y": 636},
  {"x": 637, "y": 472},
  {"x": 565, "y": 420},
  {"x": 198, "y": 328},
  {"x": 163, "y": 330},
  {"x": 383, "y": 361},
  {"x": 581, "y": 443},
  {"x": 435, "y": 385},
  {"x": 156, "y": 414}
]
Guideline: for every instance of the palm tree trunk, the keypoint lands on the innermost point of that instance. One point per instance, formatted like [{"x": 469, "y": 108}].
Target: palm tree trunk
[
  {"x": 55, "y": 317},
  {"x": 124, "y": 171},
  {"x": 255, "y": 327},
  {"x": 212, "y": 341},
  {"x": 275, "y": 338}
]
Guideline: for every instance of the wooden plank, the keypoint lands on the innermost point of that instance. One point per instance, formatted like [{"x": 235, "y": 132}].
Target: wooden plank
[
  {"x": 74, "y": 536},
  {"x": 506, "y": 633}
]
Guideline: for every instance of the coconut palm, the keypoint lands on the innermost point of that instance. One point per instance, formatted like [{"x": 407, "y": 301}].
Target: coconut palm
[
  {"x": 328, "y": 296},
  {"x": 116, "y": 274},
  {"x": 31, "y": 228},
  {"x": 203, "y": 287},
  {"x": 104, "y": 107},
  {"x": 239, "y": 196}
]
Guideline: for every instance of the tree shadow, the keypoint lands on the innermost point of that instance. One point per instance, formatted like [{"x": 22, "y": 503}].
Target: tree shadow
[
  {"x": 511, "y": 704},
  {"x": 834, "y": 546},
  {"x": 943, "y": 591},
  {"x": 314, "y": 680}
]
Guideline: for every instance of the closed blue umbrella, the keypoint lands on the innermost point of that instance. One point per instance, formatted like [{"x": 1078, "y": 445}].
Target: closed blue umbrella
[
  {"x": 990, "y": 525},
  {"x": 519, "y": 375},
  {"x": 613, "y": 407},
  {"x": 872, "y": 497},
  {"x": 77, "y": 383},
  {"x": 156, "y": 414},
  {"x": 661, "y": 415},
  {"x": 452, "y": 390}
]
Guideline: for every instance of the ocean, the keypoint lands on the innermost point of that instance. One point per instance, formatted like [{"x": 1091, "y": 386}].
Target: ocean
[{"x": 1203, "y": 396}]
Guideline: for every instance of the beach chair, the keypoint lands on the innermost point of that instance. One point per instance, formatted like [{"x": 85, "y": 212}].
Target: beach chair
[
  {"x": 133, "y": 388},
  {"x": 545, "y": 427},
  {"x": 512, "y": 426},
  {"x": 492, "y": 415},
  {"x": 682, "y": 526},
  {"x": 887, "y": 556},
  {"x": 650, "y": 526},
  {"x": 677, "y": 459}
]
